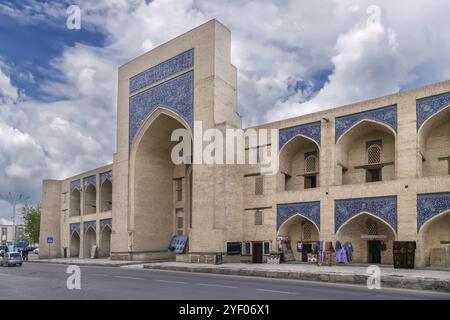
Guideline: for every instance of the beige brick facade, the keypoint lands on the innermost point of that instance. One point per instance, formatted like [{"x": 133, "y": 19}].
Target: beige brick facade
[{"x": 153, "y": 199}]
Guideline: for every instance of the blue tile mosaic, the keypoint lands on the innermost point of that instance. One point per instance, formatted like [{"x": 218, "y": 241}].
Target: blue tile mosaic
[
  {"x": 90, "y": 224},
  {"x": 386, "y": 115},
  {"x": 162, "y": 71},
  {"x": 176, "y": 95},
  {"x": 308, "y": 210},
  {"x": 90, "y": 180},
  {"x": 75, "y": 185},
  {"x": 427, "y": 107},
  {"x": 310, "y": 130},
  {"x": 104, "y": 223},
  {"x": 74, "y": 227},
  {"x": 431, "y": 205},
  {"x": 384, "y": 208},
  {"x": 105, "y": 176}
]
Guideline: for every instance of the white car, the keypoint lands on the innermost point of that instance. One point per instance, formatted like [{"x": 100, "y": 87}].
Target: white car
[{"x": 36, "y": 251}]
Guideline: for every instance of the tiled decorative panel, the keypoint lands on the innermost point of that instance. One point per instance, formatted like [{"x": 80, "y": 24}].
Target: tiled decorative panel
[
  {"x": 75, "y": 185},
  {"x": 90, "y": 224},
  {"x": 176, "y": 95},
  {"x": 162, "y": 71},
  {"x": 384, "y": 208},
  {"x": 386, "y": 115},
  {"x": 431, "y": 205},
  {"x": 74, "y": 227},
  {"x": 427, "y": 107},
  {"x": 104, "y": 223},
  {"x": 310, "y": 130},
  {"x": 90, "y": 180},
  {"x": 105, "y": 176},
  {"x": 308, "y": 210}
]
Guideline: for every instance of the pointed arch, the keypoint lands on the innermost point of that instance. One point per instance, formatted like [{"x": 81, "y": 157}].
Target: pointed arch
[
  {"x": 361, "y": 122},
  {"x": 369, "y": 214},
  {"x": 291, "y": 218}
]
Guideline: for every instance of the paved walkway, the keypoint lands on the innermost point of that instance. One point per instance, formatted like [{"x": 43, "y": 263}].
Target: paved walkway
[{"x": 390, "y": 277}]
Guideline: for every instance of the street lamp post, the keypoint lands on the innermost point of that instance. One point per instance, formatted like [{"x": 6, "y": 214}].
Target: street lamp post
[{"x": 14, "y": 199}]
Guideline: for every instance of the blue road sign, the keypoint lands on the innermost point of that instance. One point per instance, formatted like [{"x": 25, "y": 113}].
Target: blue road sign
[{"x": 49, "y": 240}]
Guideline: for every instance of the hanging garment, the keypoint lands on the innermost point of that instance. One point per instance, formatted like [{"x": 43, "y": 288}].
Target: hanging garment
[
  {"x": 341, "y": 256},
  {"x": 338, "y": 245}
]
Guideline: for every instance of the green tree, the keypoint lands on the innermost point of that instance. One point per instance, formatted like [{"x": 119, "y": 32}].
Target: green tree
[{"x": 32, "y": 220}]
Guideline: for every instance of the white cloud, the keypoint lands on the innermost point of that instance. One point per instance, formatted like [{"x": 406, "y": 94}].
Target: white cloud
[{"x": 293, "y": 57}]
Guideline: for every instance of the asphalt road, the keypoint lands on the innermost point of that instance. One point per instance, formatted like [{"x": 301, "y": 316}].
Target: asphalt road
[{"x": 45, "y": 281}]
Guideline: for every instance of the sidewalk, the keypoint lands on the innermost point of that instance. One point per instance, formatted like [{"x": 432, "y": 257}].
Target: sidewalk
[
  {"x": 390, "y": 277},
  {"x": 90, "y": 262}
]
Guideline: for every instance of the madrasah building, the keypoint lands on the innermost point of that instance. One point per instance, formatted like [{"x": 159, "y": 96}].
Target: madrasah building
[{"x": 369, "y": 173}]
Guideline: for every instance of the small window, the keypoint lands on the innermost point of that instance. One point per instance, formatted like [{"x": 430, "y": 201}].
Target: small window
[
  {"x": 372, "y": 227},
  {"x": 179, "y": 189},
  {"x": 247, "y": 249},
  {"x": 373, "y": 175},
  {"x": 258, "y": 218},
  {"x": 311, "y": 164},
  {"x": 234, "y": 248},
  {"x": 374, "y": 154},
  {"x": 266, "y": 248},
  {"x": 180, "y": 222},
  {"x": 307, "y": 231},
  {"x": 311, "y": 182},
  {"x": 259, "y": 186}
]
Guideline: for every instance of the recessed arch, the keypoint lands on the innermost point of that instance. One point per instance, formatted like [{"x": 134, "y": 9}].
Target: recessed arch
[
  {"x": 89, "y": 241},
  {"x": 75, "y": 200},
  {"x": 299, "y": 136},
  {"x": 292, "y": 159},
  {"x": 74, "y": 245},
  {"x": 90, "y": 199},
  {"x": 352, "y": 165},
  {"x": 152, "y": 174},
  {"x": 368, "y": 121},
  {"x": 369, "y": 214},
  {"x": 105, "y": 241},
  {"x": 433, "y": 141},
  {"x": 160, "y": 110},
  {"x": 425, "y": 226},
  {"x": 293, "y": 217}
]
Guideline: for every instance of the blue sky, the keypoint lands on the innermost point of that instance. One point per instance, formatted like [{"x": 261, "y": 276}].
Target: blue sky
[{"x": 58, "y": 86}]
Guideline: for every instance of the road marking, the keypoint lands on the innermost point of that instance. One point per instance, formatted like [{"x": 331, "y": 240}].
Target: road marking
[
  {"x": 131, "y": 278},
  {"x": 99, "y": 275},
  {"x": 215, "y": 285},
  {"x": 275, "y": 291},
  {"x": 168, "y": 281}
]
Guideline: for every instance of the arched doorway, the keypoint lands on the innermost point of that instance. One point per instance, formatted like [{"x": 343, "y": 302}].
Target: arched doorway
[
  {"x": 435, "y": 239},
  {"x": 75, "y": 203},
  {"x": 434, "y": 145},
  {"x": 105, "y": 242},
  {"x": 75, "y": 245},
  {"x": 372, "y": 239},
  {"x": 106, "y": 196},
  {"x": 299, "y": 164},
  {"x": 302, "y": 235},
  {"x": 90, "y": 240},
  {"x": 158, "y": 186},
  {"x": 90, "y": 196},
  {"x": 366, "y": 153}
]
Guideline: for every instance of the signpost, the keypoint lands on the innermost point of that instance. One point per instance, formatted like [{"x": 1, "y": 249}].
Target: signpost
[{"x": 49, "y": 242}]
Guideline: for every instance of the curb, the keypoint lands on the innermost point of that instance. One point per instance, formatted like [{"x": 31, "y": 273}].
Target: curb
[
  {"x": 386, "y": 281},
  {"x": 86, "y": 264}
]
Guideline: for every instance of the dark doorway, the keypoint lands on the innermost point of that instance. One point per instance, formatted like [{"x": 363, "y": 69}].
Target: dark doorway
[
  {"x": 373, "y": 175},
  {"x": 311, "y": 182},
  {"x": 307, "y": 248},
  {"x": 257, "y": 252},
  {"x": 374, "y": 251}
]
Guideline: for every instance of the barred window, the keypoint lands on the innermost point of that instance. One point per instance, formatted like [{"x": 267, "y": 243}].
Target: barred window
[
  {"x": 374, "y": 154},
  {"x": 310, "y": 164},
  {"x": 307, "y": 231},
  {"x": 372, "y": 227},
  {"x": 258, "y": 218},
  {"x": 259, "y": 186}
]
